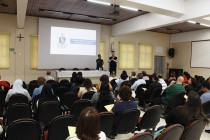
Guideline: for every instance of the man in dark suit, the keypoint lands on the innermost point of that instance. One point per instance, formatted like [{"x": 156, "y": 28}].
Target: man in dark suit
[{"x": 112, "y": 63}]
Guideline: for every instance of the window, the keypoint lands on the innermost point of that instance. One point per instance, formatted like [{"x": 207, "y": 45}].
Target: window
[
  {"x": 4, "y": 50},
  {"x": 34, "y": 52},
  {"x": 102, "y": 49},
  {"x": 126, "y": 56},
  {"x": 145, "y": 56}
]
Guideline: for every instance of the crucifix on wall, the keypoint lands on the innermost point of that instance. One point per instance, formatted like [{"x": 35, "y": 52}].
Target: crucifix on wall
[{"x": 20, "y": 37}]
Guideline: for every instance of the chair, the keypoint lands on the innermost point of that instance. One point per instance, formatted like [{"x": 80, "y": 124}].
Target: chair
[
  {"x": 24, "y": 129},
  {"x": 127, "y": 122},
  {"x": 139, "y": 91},
  {"x": 18, "y": 111},
  {"x": 155, "y": 94},
  {"x": 47, "y": 111},
  {"x": 68, "y": 99},
  {"x": 78, "y": 106},
  {"x": 17, "y": 98},
  {"x": 106, "y": 122},
  {"x": 172, "y": 132},
  {"x": 88, "y": 95},
  {"x": 142, "y": 136},
  {"x": 58, "y": 127},
  {"x": 206, "y": 108},
  {"x": 193, "y": 131},
  {"x": 150, "y": 118}
]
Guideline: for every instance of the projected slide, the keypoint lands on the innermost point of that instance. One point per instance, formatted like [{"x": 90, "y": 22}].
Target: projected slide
[{"x": 72, "y": 41}]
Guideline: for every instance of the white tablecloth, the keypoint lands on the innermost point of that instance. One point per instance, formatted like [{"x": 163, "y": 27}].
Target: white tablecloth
[{"x": 91, "y": 73}]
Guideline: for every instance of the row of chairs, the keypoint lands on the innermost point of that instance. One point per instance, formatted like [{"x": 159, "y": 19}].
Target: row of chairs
[{"x": 176, "y": 132}]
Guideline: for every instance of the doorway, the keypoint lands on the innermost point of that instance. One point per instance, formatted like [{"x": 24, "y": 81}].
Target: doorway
[{"x": 159, "y": 64}]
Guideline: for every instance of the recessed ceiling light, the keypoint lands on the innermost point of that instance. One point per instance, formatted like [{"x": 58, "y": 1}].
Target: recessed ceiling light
[
  {"x": 129, "y": 8},
  {"x": 190, "y": 21},
  {"x": 99, "y": 2}
]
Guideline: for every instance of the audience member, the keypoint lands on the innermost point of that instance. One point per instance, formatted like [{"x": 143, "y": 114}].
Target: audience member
[
  {"x": 122, "y": 106},
  {"x": 87, "y": 86},
  {"x": 173, "y": 90},
  {"x": 186, "y": 113},
  {"x": 103, "y": 78},
  {"x": 145, "y": 75},
  {"x": 205, "y": 97},
  {"x": 192, "y": 86},
  {"x": 186, "y": 77},
  {"x": 17, "y": 88},
  {"x": 48, "y": 76},
  {"x": 162, "y": 82},
  {"x": 88, "y": 126},
  {"x": 123, "y": 77},
  {"x": 138, "y": 82},
  {"x": 47, "y": 95},
  {"x": 104, "y": 93},
  {"x": 125, "y": 93},
  {"x": 80, "y": 79},
  {"x": 112, "y": 76},
  {"x": 155, "y": 84},
  {"x": 133, "y": 75},
  {"x": 38, "y": 90},
  {"x": 172, "y": 78},
  {"x": 73, "y": 77}
]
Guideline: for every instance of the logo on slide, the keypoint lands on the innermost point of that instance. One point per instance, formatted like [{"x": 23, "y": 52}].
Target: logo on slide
[{"x": 62, "y": 41}]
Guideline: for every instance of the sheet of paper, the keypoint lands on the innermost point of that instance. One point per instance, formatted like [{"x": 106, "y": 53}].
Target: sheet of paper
[
  {"x": 109, "y": 107},
  {"x": 72, "y": 131}
]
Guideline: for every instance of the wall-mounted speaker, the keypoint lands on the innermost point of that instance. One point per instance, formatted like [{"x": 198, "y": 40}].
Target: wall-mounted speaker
[{"x": 171, "y": 52}]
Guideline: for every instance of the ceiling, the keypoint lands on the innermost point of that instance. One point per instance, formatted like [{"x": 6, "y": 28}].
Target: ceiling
[{"x": 82, "y": 10}]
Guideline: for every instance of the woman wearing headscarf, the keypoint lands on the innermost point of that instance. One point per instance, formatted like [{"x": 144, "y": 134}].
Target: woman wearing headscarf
[
  {"x": 17, "y": 88},
  {"x": 47, "y": 94}
]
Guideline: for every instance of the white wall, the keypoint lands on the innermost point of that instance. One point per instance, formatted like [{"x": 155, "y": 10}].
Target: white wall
[
  {"x": 182, "y": 44},
  {"x": 156, "y": 39}
]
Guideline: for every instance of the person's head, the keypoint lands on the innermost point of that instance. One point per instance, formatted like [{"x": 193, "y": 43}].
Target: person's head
[
  {"x": 123, "y": 76},
  {"x": 125, "y": 93},
  {"x": 87, "y": 83},
  {"x": 172, "y": 74},
  {"x": 104, "y": 78},
  {"x": 180, "y": 80},
  {"x": 79, "y": 74},
  {"x": 139, "y": 76},
  {"x": 18, "y": 84},
  {"x": 144, "y": 73},
  {"x": 160, "y": 76},
  {"x": 113, "y": 53},
  {"x": 155, "y": 78},
  {"x": 41, "y": 80},
  {"x": 88, "y": 124},
  {"x": 74, "y": 74},
  {"x": 133, "y": 73},
  {"x": 48, "y": 72},
  {"x": 206, "y": 86},
  {"x": 99, "y": 56}
]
